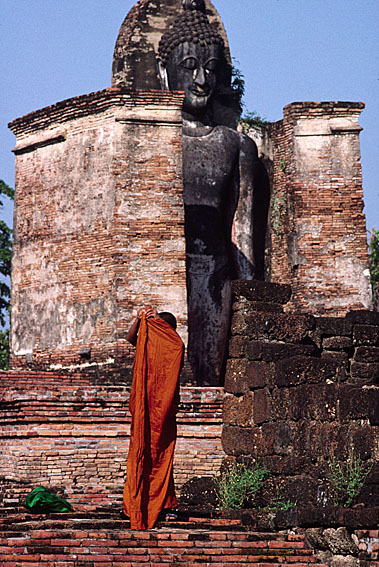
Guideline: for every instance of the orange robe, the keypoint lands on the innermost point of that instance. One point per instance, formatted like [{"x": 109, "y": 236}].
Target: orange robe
[{"x": 153, "y": 404}]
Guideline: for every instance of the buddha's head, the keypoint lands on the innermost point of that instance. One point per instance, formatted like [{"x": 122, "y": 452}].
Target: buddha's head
[{"x": 190, "y": 53}]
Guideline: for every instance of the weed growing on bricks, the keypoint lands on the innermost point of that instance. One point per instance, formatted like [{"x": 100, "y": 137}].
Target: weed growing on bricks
[
  {"x": 239, "y": 484},
  {"x": 346, "y": 479}
]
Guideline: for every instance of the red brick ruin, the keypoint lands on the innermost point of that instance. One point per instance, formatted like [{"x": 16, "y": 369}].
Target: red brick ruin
[{"x": 98, "y": 232}]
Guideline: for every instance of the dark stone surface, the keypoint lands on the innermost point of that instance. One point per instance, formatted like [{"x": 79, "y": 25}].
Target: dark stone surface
[
  {"x": 262, "y": 407},
  {"x": 316, "y": 401},
  {"x": 309, "y": 517},
  {"x": 365, "y": 373},
  {"x": 243, "y": 374},
  {"x": 363, "y": 317},
  {"x": 331, "y": 326},
  {"x": 301, "y": 490},
  {"x": 300, "y": 369},
  {"x": 306, "y": 401},
  {"x": 199, "y": 491},
  {"x": 237, "y": 347},
  {"x": 272, "y": 326},
  {"x": 366, "y": 354},
  {"x": 288, "y": 465},
  {"x": 248, "y": 306},
  {"x": 337, "y": 357},
  {"x": 356, "y": 402},
  {"x": 261, "y": 291},
  {"x": 239, "y": 411},
  {"x": 366, "y": 335},
  {"x": 369, "y": 493},
  {"x": 373, "y": 408},
  {"x": 257, "y": 441},
  {"x": 286, "y": 435},
  {"x": 337, "y": 343},
  {"x": 364, "y": 440},
  {"x": 270, "y": 352}
]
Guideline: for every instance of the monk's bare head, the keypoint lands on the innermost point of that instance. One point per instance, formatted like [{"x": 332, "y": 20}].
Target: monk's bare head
[{"x": 169, "y": 318}]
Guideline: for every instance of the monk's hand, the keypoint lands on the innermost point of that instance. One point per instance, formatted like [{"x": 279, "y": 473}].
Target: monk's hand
[
  {"x": 140, "y": 312},
  {"x": 151, "y": 312}
]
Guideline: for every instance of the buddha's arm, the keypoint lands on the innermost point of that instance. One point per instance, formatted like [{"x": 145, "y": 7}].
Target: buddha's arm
[{"x": 243, "y": 219}]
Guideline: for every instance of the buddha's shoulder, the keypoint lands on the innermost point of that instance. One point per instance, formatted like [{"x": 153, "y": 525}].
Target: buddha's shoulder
[{"x": 245, "y": 143}]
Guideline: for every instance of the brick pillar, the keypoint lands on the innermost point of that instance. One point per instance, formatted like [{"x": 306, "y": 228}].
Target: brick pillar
[
  {"x": 99, "y": 226},
  {"x": 317, "y": 227}
]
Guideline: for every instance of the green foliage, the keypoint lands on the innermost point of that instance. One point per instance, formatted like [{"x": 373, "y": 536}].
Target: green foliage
[
  {"x": 238, "y": 485},
  {"x": 6, "y": 190},
  {"x": 252, "y": 120},
  {"x": 238, "y": 83},
  {"x": 347, "y": 479},
  {"x": 248, "y": 119},
  {"x": 374, "y": 265},
  {"x": 4, "y": 350},
  {"x": 279, "y": 503},
  {"x": 5, "y": 255}
]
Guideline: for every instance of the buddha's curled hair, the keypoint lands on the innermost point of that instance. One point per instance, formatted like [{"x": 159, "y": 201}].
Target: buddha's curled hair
[{"x": 192, "y": 26}]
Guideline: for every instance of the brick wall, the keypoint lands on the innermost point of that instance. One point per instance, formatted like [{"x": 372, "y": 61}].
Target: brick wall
[
  {"x": 318, "y": 241},
  {"x": 73, "y": 435},
  {"x": 99, "y": 227},
  {"x": 301, "y": 390}
]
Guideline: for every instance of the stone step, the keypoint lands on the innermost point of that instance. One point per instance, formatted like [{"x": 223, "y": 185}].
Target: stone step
[{"x": 93, "y": 540}]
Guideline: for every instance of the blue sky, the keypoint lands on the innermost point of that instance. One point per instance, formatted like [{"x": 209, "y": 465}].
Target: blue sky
[{"x": 288, "y": 50}]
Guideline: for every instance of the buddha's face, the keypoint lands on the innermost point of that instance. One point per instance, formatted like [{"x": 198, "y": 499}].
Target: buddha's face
[{"x": 192, "y": 68}]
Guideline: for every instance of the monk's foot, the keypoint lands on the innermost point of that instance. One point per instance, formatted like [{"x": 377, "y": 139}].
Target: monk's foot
[
  {"x": 167, "y": 515},
  {"x": 170, "y": 516}
]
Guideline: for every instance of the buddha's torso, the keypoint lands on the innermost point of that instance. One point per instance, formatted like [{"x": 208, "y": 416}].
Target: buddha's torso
[{"x": 210, "y": 193}]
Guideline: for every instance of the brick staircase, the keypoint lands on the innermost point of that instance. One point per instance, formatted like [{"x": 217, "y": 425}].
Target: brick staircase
[{"x": 103, "y": 540}]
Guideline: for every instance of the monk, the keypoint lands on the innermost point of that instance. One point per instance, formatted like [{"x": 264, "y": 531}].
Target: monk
[{"x": 154, "y": 402}]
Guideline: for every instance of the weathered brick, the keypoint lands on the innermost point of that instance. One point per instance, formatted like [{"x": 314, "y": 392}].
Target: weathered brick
[
  {"x": 337, "y": 343},
  {"x": 362, "y": 372},
  {"x": 242, "y": 374},
  {"x": 334, "y": 326},
  {"x": 366, "y": 335},
  {"x": 273, "y": 326},
  {"x": 272, "y": 351},
  {"x": 261, "y": 406},
  {"x": 367, "y": 354},
  {"x": 239, "y": 410},
  {"x": 248, "y": 441},
  {"x": 261, "y": 291},
  {"x": 363, "y": 317},
  {"x": 300, "y": 369},
  {"x": 301, "y": 256}
]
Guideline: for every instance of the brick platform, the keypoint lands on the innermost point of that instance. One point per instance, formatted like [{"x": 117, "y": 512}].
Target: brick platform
[
  {"x": 91, "y": 542},
  {"x": 65, "y": 432},
  {"x": 99, "y": 540}
]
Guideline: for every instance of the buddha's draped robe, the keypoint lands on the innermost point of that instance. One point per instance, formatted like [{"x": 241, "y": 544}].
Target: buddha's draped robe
[{"x": 153, "y": 404}]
